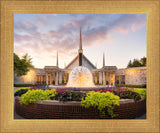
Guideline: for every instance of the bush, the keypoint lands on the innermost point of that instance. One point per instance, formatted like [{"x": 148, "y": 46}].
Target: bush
[
  {"x": 101, "y": 101},
  {"x": 133, "y": 86},
  {"x": 20, "y": 91},
  {"x": 141, "y": 92},
  {"x": 23, "y": 85},
  {"x": 37, "y": 95},
  {"x": 64, "y": 95},
  {"x": 53, "y": 82},
  {"x": 128, "y": 95}
]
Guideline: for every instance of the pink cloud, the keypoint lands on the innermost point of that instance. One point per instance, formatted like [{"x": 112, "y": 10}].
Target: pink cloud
[
  {"x": 137, "y": 26},
  {"x": 123, "y": 30},
  {"x": 41, "y": 23}
]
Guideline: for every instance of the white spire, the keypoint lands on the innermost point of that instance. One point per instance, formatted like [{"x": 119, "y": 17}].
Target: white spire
[{"x": 80, "y": 41}]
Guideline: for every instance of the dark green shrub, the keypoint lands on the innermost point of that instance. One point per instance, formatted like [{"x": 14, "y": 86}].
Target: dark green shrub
[
  {"x": 69, "y": 96},
  {"x": 107, "y": 83},
  {"x": 20, "y": 91},
  {"x": 53, "y": 82},
  {"x": 23, "y": 85},
  {"x": 132, "y": 86},
  {"x": 128, "y": 95}
]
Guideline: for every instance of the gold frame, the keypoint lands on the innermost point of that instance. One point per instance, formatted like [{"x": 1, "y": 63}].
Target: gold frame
[{"x": 150, "y": 7}]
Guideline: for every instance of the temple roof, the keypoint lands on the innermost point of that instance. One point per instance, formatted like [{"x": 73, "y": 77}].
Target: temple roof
[{"x": 84, "y": 57}]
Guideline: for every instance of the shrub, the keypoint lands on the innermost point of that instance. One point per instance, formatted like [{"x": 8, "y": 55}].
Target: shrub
[
  {"x": 64, "y": 95},
  {"x": 20, "y": 91},
  {"x": 23, "y": 85},
  {"x": 101, "y": 101},
  {"x": 141, "y": 92},
  {"x": 133, "y": 86},
  {"x": 128, "y": 95},
  {"x": 53, "y": 82},
  {"x": 37, "y": 95}
]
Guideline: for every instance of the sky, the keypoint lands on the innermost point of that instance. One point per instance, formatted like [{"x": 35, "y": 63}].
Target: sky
[{"x": 121, "y": 37}]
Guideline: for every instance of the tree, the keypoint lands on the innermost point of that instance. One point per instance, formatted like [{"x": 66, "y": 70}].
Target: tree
[
  {"x": 129, "y": 64},
  {"x": 137, "y": 63},
  {"x": 21, "y": 65},
  {"x": 27, "y": 59},
  {"x": 143, "y": 61}
]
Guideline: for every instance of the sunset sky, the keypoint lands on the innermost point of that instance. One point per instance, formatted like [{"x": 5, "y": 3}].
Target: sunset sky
[{"x": 120, "y": 36}]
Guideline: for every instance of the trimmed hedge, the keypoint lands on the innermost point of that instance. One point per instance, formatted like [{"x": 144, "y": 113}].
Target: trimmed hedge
[
  {"x": 132, "y": 86},
  {"x": 23, "y": 85}
]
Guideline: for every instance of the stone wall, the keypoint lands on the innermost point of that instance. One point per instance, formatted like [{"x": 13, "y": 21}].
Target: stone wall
[
  {"x": 135, "y": 76},
  {"x": 30, "y": 77},
  {"x": 132, "y": 76}
]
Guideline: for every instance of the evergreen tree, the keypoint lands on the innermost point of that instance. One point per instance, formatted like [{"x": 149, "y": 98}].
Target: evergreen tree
[
  {"x": 143, "y": 61},
  {"x": 129, "y": 64},
  {"x": 137, "y": 63}
]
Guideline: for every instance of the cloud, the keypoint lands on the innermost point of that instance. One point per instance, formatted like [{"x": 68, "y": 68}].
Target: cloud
[
  {"x": 137, "y": 26},
  {"x": 96, "y": 29}
]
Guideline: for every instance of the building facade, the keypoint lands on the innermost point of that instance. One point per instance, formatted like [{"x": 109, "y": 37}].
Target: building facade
[{"x": 107, "y": 75}]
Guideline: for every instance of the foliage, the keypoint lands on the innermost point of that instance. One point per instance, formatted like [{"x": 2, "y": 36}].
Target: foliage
[
  {"x": 128, "y": 95},
  {"x": 53, "y": 82},
  {"x": 28, "y": 60},
  {"x": 37, "y": 95},
  {"x": 133, "y": 86},
  {"x": 20, "y": 91},
  {"x": 137, "y": 62},
  {"x": 23, "y": 85},
  {"x": 21, "y": 65},
  {"x": 101, "y": 101},
  {"x": 66, "y": 95},
  {"x": 141, "y": 92},
  {"x": 42, "y": 87},
  {"x": 143, "y": 61},
  {"x": 111, "y": 90}
]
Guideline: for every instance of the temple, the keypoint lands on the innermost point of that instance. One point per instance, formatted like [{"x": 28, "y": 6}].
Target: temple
[{"x": 107, "y": 75}]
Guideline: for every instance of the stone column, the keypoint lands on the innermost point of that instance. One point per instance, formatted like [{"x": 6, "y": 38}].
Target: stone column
[
  {"x": 60, "y": 77},
  {"x": 100, "y": 77},
  {"x": 56, "y": 83},
  {"x": 47, "y": 78},
  {"x": 113, "y": 79},
  {"x": 104, "y": 79}
]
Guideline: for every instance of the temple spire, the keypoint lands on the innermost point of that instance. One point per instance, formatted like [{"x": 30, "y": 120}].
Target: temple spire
[
  {"x": 103, "y": 59},
  {"x": 80, "y": 51},
  {"x": 57, "y": 59},
  {"x": 80, "y": 41}
]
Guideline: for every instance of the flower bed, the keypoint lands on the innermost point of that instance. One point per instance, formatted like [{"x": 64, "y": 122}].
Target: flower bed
[
  {"x": 53, "y": 109},
  {"x": 104, "y": 100}
]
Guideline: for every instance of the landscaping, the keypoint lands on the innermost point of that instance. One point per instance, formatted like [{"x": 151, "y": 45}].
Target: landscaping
[{"x": 104, "y": 100}]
